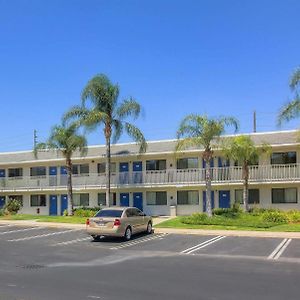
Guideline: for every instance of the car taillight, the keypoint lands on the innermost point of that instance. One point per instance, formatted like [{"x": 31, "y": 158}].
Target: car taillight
[
  {"x": 87, "y": 222},
  {"x": 117, "y": 222}
]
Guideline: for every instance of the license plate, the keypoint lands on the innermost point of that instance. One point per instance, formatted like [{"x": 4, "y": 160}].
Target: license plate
[{"x": 100, "y": 223}]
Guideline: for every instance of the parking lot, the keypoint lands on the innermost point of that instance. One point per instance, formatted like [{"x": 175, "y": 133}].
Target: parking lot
[
  {"x": 226, "y": 246},
  {"x": 42, "y": 253}
]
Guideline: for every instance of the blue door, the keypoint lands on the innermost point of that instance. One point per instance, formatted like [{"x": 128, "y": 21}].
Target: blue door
[
  {"x": 223, "y": 162},
  {"x": 63, "y": 203},
  {"x": 2, "y": 173},
  {"x": 124, "y": 199},
  {"x": 224, "y": 199},
  {"x": 53, "y": 205},
  {"x": 2, "y": 201},
  {"x": 63, "y": 170},
  {"x": 124, "y": 175},
  {"x": 138, "y": 200},
  {"x": 53, "y": 176},
  {"x": 211, "y": 163},
  {"x": 212, "y": 200},
  {"x": 137, "y": 168}
]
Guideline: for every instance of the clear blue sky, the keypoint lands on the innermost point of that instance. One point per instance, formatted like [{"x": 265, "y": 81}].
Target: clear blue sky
[{"x": 219, "y": 57}]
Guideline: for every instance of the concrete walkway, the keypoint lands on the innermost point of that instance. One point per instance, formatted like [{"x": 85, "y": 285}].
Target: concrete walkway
[{"x": 157, "y": 220}]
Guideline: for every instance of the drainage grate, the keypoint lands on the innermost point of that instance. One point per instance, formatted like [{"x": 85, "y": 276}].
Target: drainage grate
[{"x": 32, "y": 267}]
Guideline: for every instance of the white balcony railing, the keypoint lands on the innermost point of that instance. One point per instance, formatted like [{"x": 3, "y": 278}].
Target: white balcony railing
[{"x": 262, "y": 173}]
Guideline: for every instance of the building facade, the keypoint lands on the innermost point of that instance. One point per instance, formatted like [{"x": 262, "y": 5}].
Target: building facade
[{"x": 160, "y": 181}]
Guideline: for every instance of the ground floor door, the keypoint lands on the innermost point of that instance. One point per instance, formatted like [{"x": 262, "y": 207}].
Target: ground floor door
[
  {"x": 124, "y": 199},
  {"x": 138, "y": 200},
  {"x": 63, "y": 203},
  {"x": 212, "y": 200},
  {"x": 224, "y": 199},
  {"x": 53, "y": 205},
  {"x": 2, "y": 201}
]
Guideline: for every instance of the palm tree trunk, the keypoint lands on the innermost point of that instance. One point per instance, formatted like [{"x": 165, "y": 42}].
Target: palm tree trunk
[
  {"x": 208, "y": 187},
  {"x": 69, "y": 186},
  {"x": 107, "y": 164},
  {"x": 246, "y": 187}
]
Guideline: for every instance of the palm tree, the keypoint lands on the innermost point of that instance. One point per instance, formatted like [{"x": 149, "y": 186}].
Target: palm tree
[
  {"x": 292, "y": 109},
  {"x": 243, "y": 150},
  {"x": 203, "y": 132},
  {"x": 65, "y": 138},
  {"x": 101, "y": 107}
]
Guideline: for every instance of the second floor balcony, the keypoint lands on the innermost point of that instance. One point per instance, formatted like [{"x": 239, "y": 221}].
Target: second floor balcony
[{"x": 169, "y": 177}]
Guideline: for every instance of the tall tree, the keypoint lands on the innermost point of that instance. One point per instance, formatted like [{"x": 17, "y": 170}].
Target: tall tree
[
  {"x": 66, "y": 139},
  {"x": 100, "y": 107},
  {"x": 203, "y": 132},
  {"x": 243, "y": 150},
  {"x": 292, "y": 109}
]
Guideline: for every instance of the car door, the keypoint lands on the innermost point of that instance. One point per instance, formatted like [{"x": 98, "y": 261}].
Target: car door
[
  {"x": 141, "y": 220},
  {"x": 133, "y": 219}
]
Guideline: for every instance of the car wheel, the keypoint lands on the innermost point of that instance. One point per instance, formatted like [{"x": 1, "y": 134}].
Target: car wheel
[
  {"x": 128, "y": 234},
  {"x": 96, "y": 238},
  {"x": 149, "y": 228}
]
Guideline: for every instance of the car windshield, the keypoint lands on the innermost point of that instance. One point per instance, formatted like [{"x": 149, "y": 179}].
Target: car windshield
[{"x": 109, "y": 213}]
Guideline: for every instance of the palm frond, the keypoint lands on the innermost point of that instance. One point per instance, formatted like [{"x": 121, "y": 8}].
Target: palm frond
[
  {"x": 128, "y": 107},
  {"x": 187, "y": 143},
  {"x": 229, "y": 121},
  {"x": 136, "y": 135},
  {"x": 295, "y": 80},
  {"x": 117, "y": 130},
  {"x": 289, "y": 111}
]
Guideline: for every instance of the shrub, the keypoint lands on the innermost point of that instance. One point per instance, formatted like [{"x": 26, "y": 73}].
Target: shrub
[
  {"x": 85, "y": 211},
  {"x": 2, "y": 212},
  {"x": 293, "y": 216},
  {"x": 234, "y": 211},
  {"x": 275, "y": 216},
  {"x": 65, "y": 213},
  {"x": 196, "y": 218},
  {"x": 12, "y": 206}
]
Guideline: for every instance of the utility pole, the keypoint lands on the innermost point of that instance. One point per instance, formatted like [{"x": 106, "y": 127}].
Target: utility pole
[
  {"x": 254, "y": 121},
  {"x": 34, "y": 139}
]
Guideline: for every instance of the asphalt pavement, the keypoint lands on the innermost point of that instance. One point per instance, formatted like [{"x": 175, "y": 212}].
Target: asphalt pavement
[{"x": 64, "y": 263}]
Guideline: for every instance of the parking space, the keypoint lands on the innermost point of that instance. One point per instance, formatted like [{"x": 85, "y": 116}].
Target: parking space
[{"x": 213, "y": 245}]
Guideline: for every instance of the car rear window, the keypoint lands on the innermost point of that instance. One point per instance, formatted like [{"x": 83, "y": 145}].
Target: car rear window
[{"x": 109, "y": 213}]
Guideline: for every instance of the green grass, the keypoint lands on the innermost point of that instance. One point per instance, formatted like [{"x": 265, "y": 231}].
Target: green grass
[
  {"x": 59, "y": 219},
  {"x": 246, "y": 222}
]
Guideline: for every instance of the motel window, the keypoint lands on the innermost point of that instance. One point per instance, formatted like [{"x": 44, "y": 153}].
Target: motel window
[
  {"x": 102, "y": 199},
  {"x": 187, "y": 198},
  {"x": 80, "y": 169},
  {"x": 16, "y": 197},
  {"x": 288, "y": 195},
  {"x": 283, "y": 158},
  {"x": 38, "y": 171},
  {"x": 156, "y": 198},
  {"x": 38, "y": 200},
  {"x": 156, "y": 165},
  {"x": 101, "y": 168},
  {"x": 187, "y": 163},
  {"x": 253, "y": 196},
  {"x": 15, "y": 172},
  {"x": 81, "y": 199}
]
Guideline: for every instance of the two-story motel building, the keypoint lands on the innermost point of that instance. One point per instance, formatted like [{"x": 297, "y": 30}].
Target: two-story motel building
[{"x": 159, "y": 181}]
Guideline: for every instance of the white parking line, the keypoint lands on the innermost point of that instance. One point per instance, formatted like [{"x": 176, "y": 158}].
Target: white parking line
[
  {"x": 21, "y": 230},
  {"x": 42, "y": 235},
  {"x": 203, "y": 244},
  {"x": 72, "y": 241},
  {"x": 279, "y": 249},
  {"x": 128, "y": 244}
]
